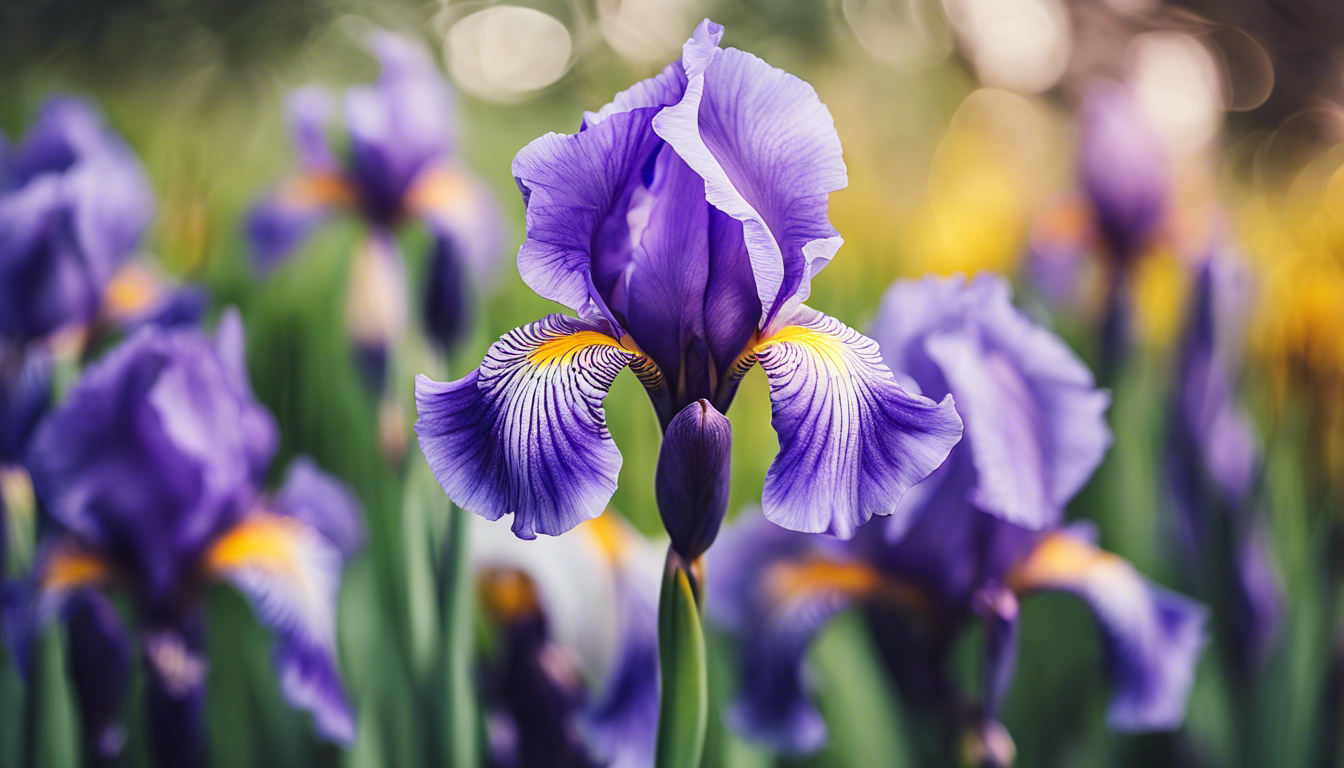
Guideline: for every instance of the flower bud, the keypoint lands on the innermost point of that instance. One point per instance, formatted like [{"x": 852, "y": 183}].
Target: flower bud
[{"x": 692, "y": 483}]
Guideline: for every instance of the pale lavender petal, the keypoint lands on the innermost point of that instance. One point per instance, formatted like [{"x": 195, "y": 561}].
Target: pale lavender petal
[
  {"x": 100, "y": 669},
  {"x": 526, "y": 433},
  {"x": 1035, "y": 421},
  {"x": 767, "y": 149},
  {"x": 851, "y": 440},
  {"x": 310, "y": 110}
]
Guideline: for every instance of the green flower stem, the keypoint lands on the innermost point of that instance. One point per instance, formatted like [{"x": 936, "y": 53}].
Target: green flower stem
[
  {"x": 461, "y": 734},
  {"x": 684, "y": 703}
]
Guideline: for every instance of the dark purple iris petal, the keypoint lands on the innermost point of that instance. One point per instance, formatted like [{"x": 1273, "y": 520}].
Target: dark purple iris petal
[{"x": 100, "y": 668}]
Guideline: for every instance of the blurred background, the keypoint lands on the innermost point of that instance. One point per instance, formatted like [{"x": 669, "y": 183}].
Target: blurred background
[{"x": 960, "y": 126}]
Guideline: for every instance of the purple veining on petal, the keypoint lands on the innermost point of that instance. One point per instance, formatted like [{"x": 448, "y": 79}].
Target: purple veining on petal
[
  {"x": 851, "y": 440},
  {"x": 526, "y": 434}
]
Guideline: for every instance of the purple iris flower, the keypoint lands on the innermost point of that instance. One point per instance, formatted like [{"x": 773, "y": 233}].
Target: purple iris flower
[
  {"x": 572, "y": 677},
  {"x": 981, "y": 533},
  {"x": 1214, "y": 462},
  {"x": 683, "y": 224},
  {"x": 151, "y": 474},
  {"x": 398, "y": 163},
  {"x": 74, "y": 202},
  {"x": 1122, "y": 167}
]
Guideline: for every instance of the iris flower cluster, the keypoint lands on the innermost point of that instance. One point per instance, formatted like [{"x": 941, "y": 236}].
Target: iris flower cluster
[{"x": 682, "y": 226}]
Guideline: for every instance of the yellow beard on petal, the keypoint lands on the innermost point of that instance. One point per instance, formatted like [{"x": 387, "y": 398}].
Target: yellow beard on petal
[
  {"x": 70, "y": 567},
  {"x": 824, "y": 346},
  {"x": 562, "y": 349}
]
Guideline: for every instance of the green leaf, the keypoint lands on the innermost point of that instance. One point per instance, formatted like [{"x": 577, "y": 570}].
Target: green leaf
[
  {"x": 684, "y": 711},
  {"x": 462, "y": 737},
  {"x": 53, "y": 724}
]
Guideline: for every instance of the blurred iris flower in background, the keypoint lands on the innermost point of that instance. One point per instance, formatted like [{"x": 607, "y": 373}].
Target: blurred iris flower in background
[
  {"x": 571, "y": 677},
  {"x": 151, "y": 473},
  {"x": 683, "y": 225},
  {"x": 981, "y": 532},
  {"x": 397, "y": 162},
  {"x": 1214, "y": 465}
]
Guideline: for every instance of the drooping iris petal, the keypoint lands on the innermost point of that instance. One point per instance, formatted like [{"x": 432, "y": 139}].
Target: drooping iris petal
[
  {"x": 459, "y": 207},
  {"x": 1035, "y": 421},
  {"x": 851, "y": 440},
  {"x": 1212, "y": 456},
  {"x": 775, "y": 590},
  {"x": 526, "y": 434},
  {"x": 997, "y": 606},
  {"x": 445, "y": 294},
  {"x": 291, "y": 573},
  {"x": 767, "y": 149},
  {"x": 100, "y": 668},
  {"x": 622, "y": 722},
  {"x": 322, "y": 502},
  {"x": 1152, "y": 637},
  {"x": 138, "y": 296}
]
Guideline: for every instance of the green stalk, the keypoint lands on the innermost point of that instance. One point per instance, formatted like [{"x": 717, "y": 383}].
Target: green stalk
[
  {"x": 684, "y": 702},
  {"x": 461, "y": 736}
]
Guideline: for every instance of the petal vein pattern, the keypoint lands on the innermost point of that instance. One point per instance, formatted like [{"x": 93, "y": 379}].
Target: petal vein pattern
[
  {"x": 526, "y": 433},
  {"x": 851, "y": 440}
]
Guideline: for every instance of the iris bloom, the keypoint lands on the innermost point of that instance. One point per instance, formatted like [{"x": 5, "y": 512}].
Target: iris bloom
[
  {"x": 983, "y": 532},
  {"x": 1122, "y": 212},
  {"x": 572, "y": 677},
  {"x": 682, "y": 224},
  {"x": 150, "y": 472},
  {"x": 1214, "y": 463},
  {"x": 397, "y": 163}
]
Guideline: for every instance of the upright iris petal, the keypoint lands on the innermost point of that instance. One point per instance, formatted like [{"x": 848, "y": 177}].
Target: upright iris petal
[
  {"x": 151, "y": 471},
  {"x": 968, "y": 543},
  {"x": 683, "y": 224}
]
